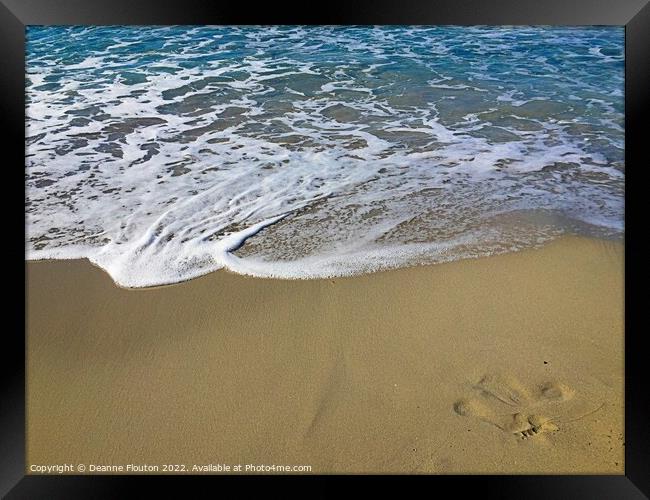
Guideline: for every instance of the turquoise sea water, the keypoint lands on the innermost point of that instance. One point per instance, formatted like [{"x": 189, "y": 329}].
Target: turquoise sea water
[{"x": 164, "y": 153}]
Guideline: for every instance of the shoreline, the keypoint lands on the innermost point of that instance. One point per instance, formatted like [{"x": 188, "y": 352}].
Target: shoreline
[
  {"x": 505, "y": 364},
  {"x": 86, "y": 261}
]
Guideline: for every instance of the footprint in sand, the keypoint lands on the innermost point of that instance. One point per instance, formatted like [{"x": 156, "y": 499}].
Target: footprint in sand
[{"x": 522, "y": 411}]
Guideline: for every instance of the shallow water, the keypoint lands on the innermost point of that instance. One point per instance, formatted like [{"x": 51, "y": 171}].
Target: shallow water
[{"x": 164, "y": 153}]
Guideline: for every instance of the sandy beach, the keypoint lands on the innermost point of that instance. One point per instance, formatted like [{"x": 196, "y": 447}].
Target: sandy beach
[{"x": 506, "y": 364}]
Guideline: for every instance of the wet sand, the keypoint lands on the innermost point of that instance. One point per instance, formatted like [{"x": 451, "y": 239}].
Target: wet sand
[{"x": 505, "y": 364}]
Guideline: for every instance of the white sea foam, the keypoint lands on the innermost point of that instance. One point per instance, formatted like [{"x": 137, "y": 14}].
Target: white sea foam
[{"x": 286, "y": 166}]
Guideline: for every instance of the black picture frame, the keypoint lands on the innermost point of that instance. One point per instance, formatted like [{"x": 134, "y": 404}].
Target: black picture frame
[{"x": 15, "y": 15}]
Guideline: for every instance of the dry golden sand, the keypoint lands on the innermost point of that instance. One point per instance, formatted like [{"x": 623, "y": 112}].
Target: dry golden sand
[{"x": 506, "y": 364}]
